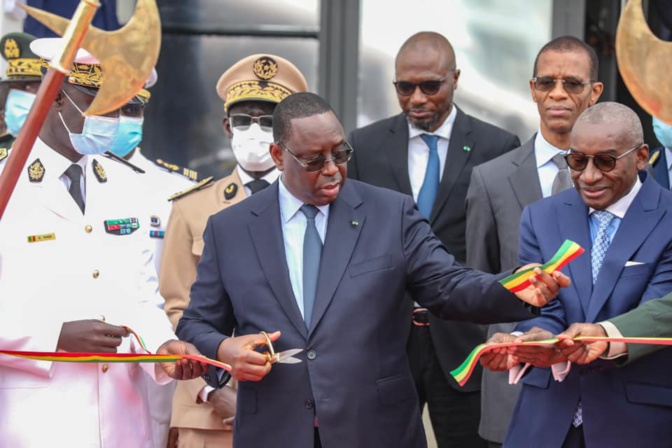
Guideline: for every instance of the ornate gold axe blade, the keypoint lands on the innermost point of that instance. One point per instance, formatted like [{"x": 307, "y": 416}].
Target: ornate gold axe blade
[
  {"x": 645, "y": 62},
  {"x": 127, "y": 55}
]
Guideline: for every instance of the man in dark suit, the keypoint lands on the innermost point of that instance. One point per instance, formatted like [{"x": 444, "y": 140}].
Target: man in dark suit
[
  {"x": 326, "y": 263},
  {"x": 501, "y": 188},
  {"x": 661, "y": 157},
  {"x": 396, "y": 153},
  {"x": 622, "y": 217}
]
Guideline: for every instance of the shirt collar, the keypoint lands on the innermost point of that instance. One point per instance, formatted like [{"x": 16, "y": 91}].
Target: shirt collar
[
  {"x": 543, "y": 150},
  {"x": 443, "y": 131},
  {"x": 55, "y": 163},
  {"x": 245, "y": 178},
  {"x": 621, "y": 206},
  {"x": 290, "y": 204}
]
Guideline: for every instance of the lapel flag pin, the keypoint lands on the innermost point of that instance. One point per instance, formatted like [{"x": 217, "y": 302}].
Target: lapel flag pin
[
  {"x": 354, "y": 223},
  {"x": 466, "y": 149}
]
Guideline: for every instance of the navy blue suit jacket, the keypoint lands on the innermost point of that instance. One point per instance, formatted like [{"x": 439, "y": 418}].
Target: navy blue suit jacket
[
  {"x": 357, "y": 380},
  {"x": 660, "y": 168},
  {"x": 622, "y": 407}
]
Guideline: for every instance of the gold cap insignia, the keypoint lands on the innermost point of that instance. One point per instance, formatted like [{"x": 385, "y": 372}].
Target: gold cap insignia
[
  {"x": 99, "y": 172},
  {"x": 3, "y": 154},
  {"x": 36, "y": 171},
  {"x": 265, "y": 68},
  {"x": 202, "y": 184},
  {"x": 11, "y": 49}
]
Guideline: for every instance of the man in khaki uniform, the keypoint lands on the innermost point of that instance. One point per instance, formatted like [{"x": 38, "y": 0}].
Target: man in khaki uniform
[{"x": 251, "y": 89}]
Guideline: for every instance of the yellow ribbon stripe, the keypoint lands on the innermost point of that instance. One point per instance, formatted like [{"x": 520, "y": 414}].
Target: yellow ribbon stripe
[
  {"x": 521, "y": 279},
  {"x": 464, "y": 371}
]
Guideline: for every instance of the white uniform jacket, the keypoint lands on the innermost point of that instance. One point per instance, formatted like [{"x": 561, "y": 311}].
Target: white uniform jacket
[{"x": 74, "y": 270}]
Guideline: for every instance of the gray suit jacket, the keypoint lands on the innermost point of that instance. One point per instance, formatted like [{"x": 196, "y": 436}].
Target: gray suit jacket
[
  {"x": 651, "y": 319},
  {"x": 498, "y": 192},
  {"x": 354, "y": 376}
]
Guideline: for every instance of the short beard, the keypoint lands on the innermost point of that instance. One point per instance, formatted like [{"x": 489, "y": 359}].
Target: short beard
[{"x": 425, "y": 125}]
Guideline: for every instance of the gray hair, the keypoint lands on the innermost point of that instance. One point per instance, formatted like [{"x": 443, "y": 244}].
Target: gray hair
[{"x": 615, "y": 113}]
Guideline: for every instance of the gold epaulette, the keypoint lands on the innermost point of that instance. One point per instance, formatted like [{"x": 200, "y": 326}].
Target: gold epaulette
[
  {"x": 654, "y": 157},
  {"x": 4, "y": 152},
  {"x": 186, "y": 172},
  {"x": 199, "y": 186}
]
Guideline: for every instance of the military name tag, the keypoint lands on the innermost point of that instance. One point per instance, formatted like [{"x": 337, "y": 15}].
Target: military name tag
[
  {"x": 43, "y": 237},
  {"x": 124, "y": 226},
  {"x": 156, "y": 233}
]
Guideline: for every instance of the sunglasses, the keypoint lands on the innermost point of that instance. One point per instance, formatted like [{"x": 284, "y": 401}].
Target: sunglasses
[
  {"x": 341, "y": 154},
  {"x": 571, "y": 85},
  {"x": 430, "y": 87},
  {"x": 578, "y": 161},
  {"x": 243, "y": 122}
]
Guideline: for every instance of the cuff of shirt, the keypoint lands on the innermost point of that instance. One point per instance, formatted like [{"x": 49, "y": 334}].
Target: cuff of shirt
[
  {"x": 203, "y": 394},
  {"x": 616, "y": 349}
]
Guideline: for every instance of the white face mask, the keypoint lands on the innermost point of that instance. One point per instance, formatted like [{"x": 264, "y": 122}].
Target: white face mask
[{"x": 252, "y": 148}]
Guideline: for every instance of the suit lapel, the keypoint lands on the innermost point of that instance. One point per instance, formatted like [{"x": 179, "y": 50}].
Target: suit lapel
[
  {"x": 456, "y": 160},
  {"x": 637, "y": 224},
  {"x": 343, "y": 230},
  {"x": 266, "y": 232},
  {"x": 396, "y": 144},
  {"x": 573, "y": 222},
  {"x": 525, "y": 180}
]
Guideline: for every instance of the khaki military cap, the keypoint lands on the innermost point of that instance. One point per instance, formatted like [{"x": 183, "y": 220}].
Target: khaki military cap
[{"x": 260, "y": 77}]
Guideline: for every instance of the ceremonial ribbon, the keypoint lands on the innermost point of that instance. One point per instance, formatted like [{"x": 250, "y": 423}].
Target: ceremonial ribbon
[
  {"x": 464, "y": 371},
  {"x": 521, "y": 279},
  {"x": 112, "y": 357}
]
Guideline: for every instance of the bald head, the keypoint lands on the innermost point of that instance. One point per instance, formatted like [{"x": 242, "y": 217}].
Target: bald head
[
  {"x": 428, "y": 41},
  {"x": 617, "y": 116}
]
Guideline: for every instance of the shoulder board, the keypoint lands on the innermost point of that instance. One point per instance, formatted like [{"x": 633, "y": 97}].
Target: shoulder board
[
  {"x": 116, "y": 158},
  {"x": 654, "y": 157},
  {"x": 199, "y": 186},
  {"x": 171, "y": 167},
  {"x": 4, "y": 152}
]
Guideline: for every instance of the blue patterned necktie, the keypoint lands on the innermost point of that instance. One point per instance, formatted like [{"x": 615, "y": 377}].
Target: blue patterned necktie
[
  {"x": 431, "y": 183},
  {"x": 312, "y": 253},
  {"x": 597, "y": 253},
  {"x": 601, "y": 243}
]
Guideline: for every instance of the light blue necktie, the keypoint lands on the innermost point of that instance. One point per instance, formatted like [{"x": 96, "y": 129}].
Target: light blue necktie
[
  {"x": 312, "y": 253},
  {"x": 597, "y": 253},
  {"x": 430, "y": 185}
]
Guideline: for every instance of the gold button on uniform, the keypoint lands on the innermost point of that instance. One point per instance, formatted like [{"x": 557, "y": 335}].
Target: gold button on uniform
[
  {"x": 88, "y": 228},
  {"x": 105, "y": 368},
  {"x": 96, "y": 273}
]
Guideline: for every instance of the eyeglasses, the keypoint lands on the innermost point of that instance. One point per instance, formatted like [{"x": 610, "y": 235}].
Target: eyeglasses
[
  {"x": 341, "y": 154},
  {"x": 578, "y": 161},
  {"x": 244, "y": 121},
  {"x": 571, "y": 85},
  {"x": 429, "y": 87}
]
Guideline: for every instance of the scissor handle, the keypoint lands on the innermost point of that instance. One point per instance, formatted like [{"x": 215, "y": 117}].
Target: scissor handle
[{"x": 270, "y": 355}]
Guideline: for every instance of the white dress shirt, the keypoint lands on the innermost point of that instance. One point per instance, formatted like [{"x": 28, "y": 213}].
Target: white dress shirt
[
  {"x": 418, "y": 151},
  {"x": 293, "y": 230},
  {"x": 246, "y": 178},
  {"x": 547, "y": 170}
]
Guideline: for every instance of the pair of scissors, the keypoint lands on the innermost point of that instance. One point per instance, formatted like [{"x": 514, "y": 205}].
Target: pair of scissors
[{"x": 286, "y": 357}]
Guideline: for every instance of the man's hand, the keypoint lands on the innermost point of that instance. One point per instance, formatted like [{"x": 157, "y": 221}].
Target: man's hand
[
  {"x": 246, "y": 364},
  {"x": 499, "y": 359},
  {"x": 91, "y": 336},
  {"x": 543, "y": 287},
  {"x": 184, "y": 369},
  {"x": 224, "y": 402},
  {"x": 540, "y": 356},
  {"x": 582, "y": 352}
]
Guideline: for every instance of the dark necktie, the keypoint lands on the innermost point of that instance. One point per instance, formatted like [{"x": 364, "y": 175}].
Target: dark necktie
[
  {"x": 312, "y": 253},
  {"x": 431, "y": 183},
  {"x": 257, "y": 185},
  {"x": 562, "y": 180},
  {"x": 74, "y": 173}
]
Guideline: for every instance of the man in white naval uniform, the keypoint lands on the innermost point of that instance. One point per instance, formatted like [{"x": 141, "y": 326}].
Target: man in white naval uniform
[{"x": 75, "y": 269}]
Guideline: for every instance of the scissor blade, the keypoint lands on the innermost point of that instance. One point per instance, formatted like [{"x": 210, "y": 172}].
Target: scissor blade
[{"x": 287, "y": 357}]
